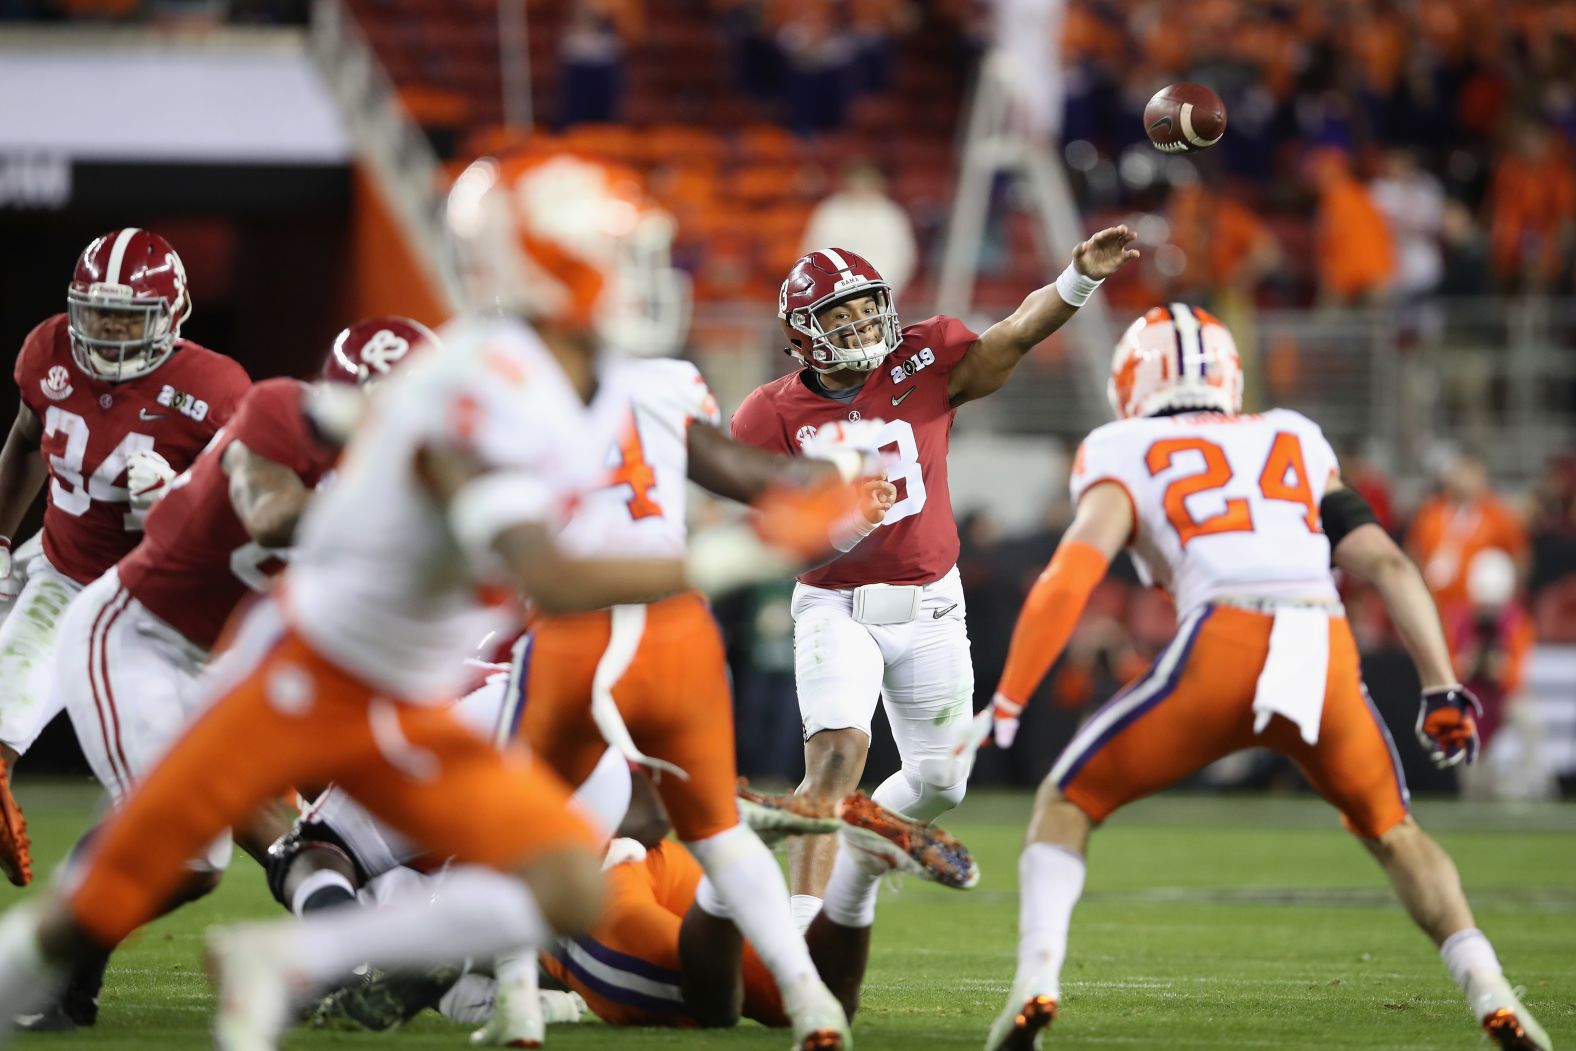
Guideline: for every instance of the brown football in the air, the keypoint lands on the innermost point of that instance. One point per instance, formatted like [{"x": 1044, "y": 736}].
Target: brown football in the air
[{"x": 1184, "y": 118}]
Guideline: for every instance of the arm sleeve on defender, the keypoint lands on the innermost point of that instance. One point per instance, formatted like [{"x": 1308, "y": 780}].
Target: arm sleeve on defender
[{"x": 1049, "y": 616}]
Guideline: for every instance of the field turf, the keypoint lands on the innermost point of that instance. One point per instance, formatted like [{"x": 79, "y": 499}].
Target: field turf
[{"x": 1218, "y": 922}]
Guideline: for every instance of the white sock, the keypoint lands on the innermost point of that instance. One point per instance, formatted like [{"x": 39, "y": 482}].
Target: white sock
[
  {"x": 335, "y": 887},
  {"x": 475, "y": 912},
  {"x": 1050, "y": 879},
  {"x": 803, "y": 908},
  {"x": 851, "y": 892},
  {"x": 1468, "y": 952},
  {"x": 745, "y": 875},
  {"x": 710, "y": 901}
]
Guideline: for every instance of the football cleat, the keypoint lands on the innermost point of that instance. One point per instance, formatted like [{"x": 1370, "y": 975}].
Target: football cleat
[
  {"x": 16, "y": 861},
  {"x": 776, "y": 818},
  {"x": 517, "y": 1019},
  {"x": 819, "y": 1023},
  {"x": 256, "y": 986},
  {"x": 873, "y": 831},
  {"x": 1020, "y": 1028},
  {"x": 1505, "y": 1018}
]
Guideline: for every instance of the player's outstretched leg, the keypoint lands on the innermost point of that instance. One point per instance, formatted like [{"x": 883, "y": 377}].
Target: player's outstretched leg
[
  {"x": 262, "y": 968},
  {"x": 1426, "y": 881},
  {"x": 1050, "y": 881}
]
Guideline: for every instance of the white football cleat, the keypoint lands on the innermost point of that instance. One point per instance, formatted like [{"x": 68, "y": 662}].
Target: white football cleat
[
  {"x": 1031, "y": 1008},
  {"x": 819, "y": 1023},
  {"x": 1503, "y": 1016},
  {"x": 517, "y": 1019},
  {"x": 28, "y": 983},
  {"x": 250, "y": 966}
]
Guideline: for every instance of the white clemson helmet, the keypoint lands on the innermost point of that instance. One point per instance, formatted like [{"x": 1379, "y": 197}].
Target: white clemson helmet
[
  {"x": 565, "y": 240},
  {"x": 1174, "y": 358}
]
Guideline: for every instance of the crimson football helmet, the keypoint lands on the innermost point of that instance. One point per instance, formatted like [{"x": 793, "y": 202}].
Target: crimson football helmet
[
  {"x": 126, "y": 304},
  {"x": 369, "y": 350},
  {"x": 573, "y": 242},
  {"x": 818, "y": 282},
  {"x": 1175, "y": 357}
]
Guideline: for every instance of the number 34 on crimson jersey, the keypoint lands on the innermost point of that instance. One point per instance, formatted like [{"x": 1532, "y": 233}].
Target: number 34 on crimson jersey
[{"x": 1224, "y": 505}]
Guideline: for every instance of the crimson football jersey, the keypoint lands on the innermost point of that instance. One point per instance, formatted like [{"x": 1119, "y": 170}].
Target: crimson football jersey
[
  {"x": 92, "y": 427},
  {"x": 918, "y": 541},
  {"x": 197, "y": 562}
]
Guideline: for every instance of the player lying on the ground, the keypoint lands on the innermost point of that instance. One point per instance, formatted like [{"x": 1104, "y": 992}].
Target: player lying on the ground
[
  {"x": 113, "y": 403},
  {"x": 134, "y": 643},
  {"x": 441, "y": 515},
  {"x": 886, "y": 621},
  {"x": 1238, "y": 516},
  {"x": 664, "y": 951}
]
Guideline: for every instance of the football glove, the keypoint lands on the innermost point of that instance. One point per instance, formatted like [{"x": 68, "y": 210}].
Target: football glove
[
  {"x": 1005, "y": 722},
  {"x": 1447, "y": 725},
  {"x": 147, "y": 478},
  {"x": 10, "y": 580}
]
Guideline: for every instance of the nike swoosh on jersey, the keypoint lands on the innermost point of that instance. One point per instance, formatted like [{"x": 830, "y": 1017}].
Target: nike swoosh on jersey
[
  {"x": 144, "y": 414},
  {"x": 897, "y": 399},
  {"x": 938, "y": 614}
]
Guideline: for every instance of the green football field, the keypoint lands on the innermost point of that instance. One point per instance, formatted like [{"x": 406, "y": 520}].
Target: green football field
[{"x": 1207, "y": 922}]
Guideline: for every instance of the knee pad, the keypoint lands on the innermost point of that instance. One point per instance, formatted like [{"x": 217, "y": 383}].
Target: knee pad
[{"x": 938, "y": 789}]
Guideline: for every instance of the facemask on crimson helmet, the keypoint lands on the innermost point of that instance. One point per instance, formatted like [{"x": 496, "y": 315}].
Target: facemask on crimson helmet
[
  {"x": 126, "y": 304},
  {"x": 837, "y": 312}
]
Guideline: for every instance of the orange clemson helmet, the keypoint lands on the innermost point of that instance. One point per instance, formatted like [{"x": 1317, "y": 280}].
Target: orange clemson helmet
[
  {"x": 572, "y": 242},
  {"x": 1175, "y": 357}
]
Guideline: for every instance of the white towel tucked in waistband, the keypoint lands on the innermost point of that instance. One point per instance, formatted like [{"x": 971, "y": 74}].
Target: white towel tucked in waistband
[{"x": 1293, "y": 679}]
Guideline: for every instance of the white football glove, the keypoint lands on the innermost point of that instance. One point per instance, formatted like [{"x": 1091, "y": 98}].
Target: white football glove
[
  {"x": 1005, "y": 724},
  {"x": 850, "y": 446},
  {"x": 10, "y": 581},
  {"x": 147, "y": 478}
]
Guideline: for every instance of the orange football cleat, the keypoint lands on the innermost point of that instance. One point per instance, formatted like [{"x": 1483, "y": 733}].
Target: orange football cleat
[{"x": 15, "y": 860}]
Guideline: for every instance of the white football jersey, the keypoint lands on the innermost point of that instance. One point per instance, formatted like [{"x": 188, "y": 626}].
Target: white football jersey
[
  {"x": 377, "y": 582},
  {"x": 639, "y": 510},
  {"x": 1226, "y": 505}
]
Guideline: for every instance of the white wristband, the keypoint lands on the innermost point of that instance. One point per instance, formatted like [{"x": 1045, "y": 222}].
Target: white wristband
[
  {"x": 1075, "y": 288},
  {"x": 849, "y": 530}
]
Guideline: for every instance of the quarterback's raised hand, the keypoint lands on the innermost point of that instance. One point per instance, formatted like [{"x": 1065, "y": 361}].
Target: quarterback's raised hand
[
  {"x": 1104, "y": 253},
  {"x": 1447, "y": 725}
]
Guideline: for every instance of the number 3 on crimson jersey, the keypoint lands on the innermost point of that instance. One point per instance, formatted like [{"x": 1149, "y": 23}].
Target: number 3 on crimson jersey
[{"x": 909, "y": 477}]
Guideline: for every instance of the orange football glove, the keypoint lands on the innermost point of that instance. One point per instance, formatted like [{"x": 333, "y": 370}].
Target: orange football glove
[
  {"x": 800, "y": 520},
  {"x": 1447, "y": 725}
]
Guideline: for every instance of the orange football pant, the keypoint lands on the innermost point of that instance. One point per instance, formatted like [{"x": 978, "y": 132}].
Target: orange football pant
[
  {"x": 1195, "y": 705},
  {"x": 674, "y": 698},
  {"x": 288, "y": 716},
  {"x": 627, "y": 967}
]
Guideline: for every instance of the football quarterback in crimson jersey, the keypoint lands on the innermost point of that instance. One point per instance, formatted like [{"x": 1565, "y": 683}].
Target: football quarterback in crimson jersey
[
  {"x": 886, "y": 619},
  {"x": 113, "y": 401},
  {"x": 133, "y": 643}
]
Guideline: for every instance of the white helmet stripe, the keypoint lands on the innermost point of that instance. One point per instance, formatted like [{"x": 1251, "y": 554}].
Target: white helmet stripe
[
  {"x": 1190, "y": 344},
  {"x": 117, "y": 254},
  {"x": 838, "y": 262}
]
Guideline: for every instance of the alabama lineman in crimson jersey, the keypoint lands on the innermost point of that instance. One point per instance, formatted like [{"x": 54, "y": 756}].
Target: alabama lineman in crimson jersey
[
  {"x": 886, "y": 620},
  {"x": 113, "y": 402},
  {"x": 134, "y": 642}
]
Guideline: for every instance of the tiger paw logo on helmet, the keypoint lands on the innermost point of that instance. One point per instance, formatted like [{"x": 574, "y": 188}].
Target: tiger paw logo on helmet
[{"x": 57, "y": 385}]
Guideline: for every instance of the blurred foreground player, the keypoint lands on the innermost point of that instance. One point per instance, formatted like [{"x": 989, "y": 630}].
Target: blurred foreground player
[
  {"x": 135, "y": 641},
  {"x": 113, "y": 403},
  {"x": 443, "y": 507},
  {"x": 885, "y": 621},
  {"x": 1237, "y": 516}
]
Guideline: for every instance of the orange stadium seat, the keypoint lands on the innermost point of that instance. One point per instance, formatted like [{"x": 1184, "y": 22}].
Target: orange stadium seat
[{"x": 683, "y": 143}]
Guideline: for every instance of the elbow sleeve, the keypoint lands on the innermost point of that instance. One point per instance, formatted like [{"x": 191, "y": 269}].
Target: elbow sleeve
[{"x": 1343, "y": 511}]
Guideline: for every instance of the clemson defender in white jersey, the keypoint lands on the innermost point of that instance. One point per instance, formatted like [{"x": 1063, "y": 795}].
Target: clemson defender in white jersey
[
  {"x": 1237, "y": 516},
  {"x": 445, "y": 504}
]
